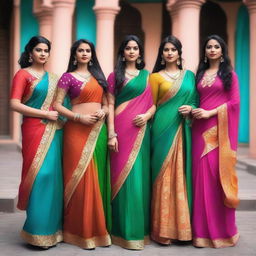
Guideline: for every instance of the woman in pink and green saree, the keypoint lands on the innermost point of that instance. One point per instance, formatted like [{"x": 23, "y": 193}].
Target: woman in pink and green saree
[
  {"x": 130, "y": 107},
  {"x": 214, "y": 140}
]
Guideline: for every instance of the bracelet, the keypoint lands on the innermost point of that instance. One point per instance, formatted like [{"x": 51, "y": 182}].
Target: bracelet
[
  {"x": 112, "y": 135},
  {"x": 76, "y": 117}
]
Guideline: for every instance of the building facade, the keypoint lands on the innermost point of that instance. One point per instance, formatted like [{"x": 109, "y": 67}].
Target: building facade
[{"x": 105, "y": 22}]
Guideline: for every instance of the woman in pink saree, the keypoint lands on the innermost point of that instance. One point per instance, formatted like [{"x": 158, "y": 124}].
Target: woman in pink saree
[{"x": 214, "y": 145}]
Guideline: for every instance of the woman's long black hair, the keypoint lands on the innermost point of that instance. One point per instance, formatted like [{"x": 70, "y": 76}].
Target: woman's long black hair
[
  {"x": 225, "y": 68},
  {"x": 121, "y": 64},
  {"x": 32, "y": 43},
  {"x": 94, "y": 69},
  {"x": 169, "y": 39}
]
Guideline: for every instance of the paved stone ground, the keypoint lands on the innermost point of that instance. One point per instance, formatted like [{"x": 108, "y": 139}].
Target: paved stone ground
[{"x": 12, "y": 245}]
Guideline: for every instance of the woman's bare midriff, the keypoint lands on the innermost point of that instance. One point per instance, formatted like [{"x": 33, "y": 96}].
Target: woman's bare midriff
[{"x": 86, "y": 108}]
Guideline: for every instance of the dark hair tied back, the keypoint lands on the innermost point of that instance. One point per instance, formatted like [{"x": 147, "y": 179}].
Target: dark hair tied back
[
  {"x": 225, "y": 68},
  {"x": 176, "y": 42},
  {"x": 94, "y": 68},
  {"x": 121, "y": 64},
  {"x": 32, "y": 43}
]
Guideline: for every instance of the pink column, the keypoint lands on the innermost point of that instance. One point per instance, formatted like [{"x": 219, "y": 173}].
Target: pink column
[
  {"x": 106, "y": 12},
  {"x": 186, "y": 26},
  {"x": 44, "y": 12},
  {"x": 61, "y": 34},
  {"x": 174, "y": 14},
  {"x": 251, "y": 5}
]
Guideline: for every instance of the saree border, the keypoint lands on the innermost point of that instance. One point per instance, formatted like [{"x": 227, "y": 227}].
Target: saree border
[
  {"x": 130, "y": 244},
  {"x": 227, "y": 160},
  {"x": 216, "y": 243},
  {"x": 43, "y": 147},
  {"x": 86, "y": 156},
  {"x": 210, "y": 137},
  {"x": 87, "y": 243},
  {"x": 174, "y": 88},
  {"x": 42, "y": 240},
  {"x": 130, "y": 162}
]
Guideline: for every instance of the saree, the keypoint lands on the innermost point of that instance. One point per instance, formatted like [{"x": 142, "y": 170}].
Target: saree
[
  {"x": 171, "y": 159},
  {"x": 41, "y": 187},
  {"x": 130, "y": 166},
  {"x": 215, "y": 186},
  {"x": 87, "y": 215}
]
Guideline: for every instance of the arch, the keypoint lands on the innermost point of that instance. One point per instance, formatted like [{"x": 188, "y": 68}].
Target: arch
[
  {"x": 213, "y": 20},
  {"x": 128, "y": 21}
]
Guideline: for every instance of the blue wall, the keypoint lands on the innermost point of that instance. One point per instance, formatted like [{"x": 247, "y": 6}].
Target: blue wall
[{"x": 28, "y": 23}]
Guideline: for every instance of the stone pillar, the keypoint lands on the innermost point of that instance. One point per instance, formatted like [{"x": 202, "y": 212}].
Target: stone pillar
[
  {"x": 44, "y": 12},
  {"x": 16, "y": 134},
  {"x": 61, "y": 34},
  {"x": 186, "y": 27},
  {"x": 251, "y": 5},
  {"x": 106, "y": 12}
]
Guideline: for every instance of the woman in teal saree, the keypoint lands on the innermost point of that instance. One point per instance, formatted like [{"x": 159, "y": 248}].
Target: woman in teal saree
[
  {"x": 40, "y": 191},
  {"x": 174, "y": 94},
  {"x": 130, "y": 107}
]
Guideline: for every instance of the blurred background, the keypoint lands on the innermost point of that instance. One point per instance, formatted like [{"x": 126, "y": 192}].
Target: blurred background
[{"x": 106, "y": 22}]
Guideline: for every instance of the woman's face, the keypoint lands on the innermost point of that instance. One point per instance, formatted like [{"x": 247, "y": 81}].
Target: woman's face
[
  {"x": 40, "y": 53},
  {"x": 83, "y": 53},
  {"x": 213, "y": 50},
  {"x": 131, "y": 51},
  {"x": 170, "y": 53}
]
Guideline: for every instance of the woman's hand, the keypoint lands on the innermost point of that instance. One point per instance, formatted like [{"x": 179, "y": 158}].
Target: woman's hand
[
  {"x": 200, "y": 113},
  {"x": 51, "y": 115},
  {"x": 100, "y": 113},
  {"x": 185, "y": 110},
  {"x": 141, "y": 119},
  {"x": 88, "y": 119},
  {"x": 113, "y": 144}
]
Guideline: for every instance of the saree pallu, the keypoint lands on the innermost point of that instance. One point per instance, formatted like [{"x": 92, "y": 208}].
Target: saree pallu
[
  {"x": 41, "y": 188},
  {"x": 87, "y": 215},
  {"x": 130, "y": 167},
  {"x": 171, "y": 162},
  {"x": 215, "y": 186}
]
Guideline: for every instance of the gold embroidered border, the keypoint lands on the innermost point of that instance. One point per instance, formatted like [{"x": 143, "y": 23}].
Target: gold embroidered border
[
  {"x": 39, "y": 158},
  {"x": 227, "y": 160},
  {"x": 88, "y": 243},
  {"x": 86, "y": 156},
  {"x": 131, "y": 159},
  {"x": 53, "y": 79},
  {"x": 210, "y": 139},
  {"x": 31, "y": 90},
  {"x": 174, "y": 89},
  {"x": 42, "y": 240},
  {"x": 216, "y": 243},
  {"x": 130, "y": 244}
]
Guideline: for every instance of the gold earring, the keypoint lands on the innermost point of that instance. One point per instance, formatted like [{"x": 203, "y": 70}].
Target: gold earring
[
  {"x": 75, "y": 62},
  {"x": 205, "y": 59},
  {"x": 162, "y": 61},
  {"x": 138, "y": 61},
  {"x": 90, "y": 63},
  {"x": 123, "y": 59},
  {"x": 30, "y": 60},
  {"x": 178, "y": 62},
  {"x": 221, "y": 59}
]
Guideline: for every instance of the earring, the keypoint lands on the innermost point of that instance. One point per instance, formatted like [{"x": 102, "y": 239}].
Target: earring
[
  {"x": 123, "y": 59},
  {"x": 221, "y": 59},
  {"x": 30, "y": 60},
  {"x": 138, "y": 61},
  {"x": 162, "y": 61},
  {"x": 90, "y": 63},
  {"x": 75, "y": 62},
  {"x": 178, "y": 62},
  {"x": 205, "y": 59}
]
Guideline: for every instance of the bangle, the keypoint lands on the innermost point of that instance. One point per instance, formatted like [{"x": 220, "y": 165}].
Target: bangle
[
  {"x": 76, "y": 117},
  {"x": 112, "y": 135}
]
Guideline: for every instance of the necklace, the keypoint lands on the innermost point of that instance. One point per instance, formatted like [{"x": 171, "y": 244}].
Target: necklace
[
  {"x": 208, "y": 79},
  {"x": 173, "y": 76},
  {"x": 132, "y": 73},
  {"x": 35, "y": 74},
  {"x": 85, "y": 77}
]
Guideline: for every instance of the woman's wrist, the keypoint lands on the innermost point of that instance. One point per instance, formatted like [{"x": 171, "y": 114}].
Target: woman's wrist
[
  {"x": 112, "y": 135},
  {"x": 76, "y": 117}
]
